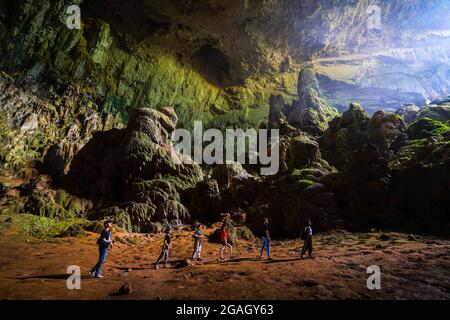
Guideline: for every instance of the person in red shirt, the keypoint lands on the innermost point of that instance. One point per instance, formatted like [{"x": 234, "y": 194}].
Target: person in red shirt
[{"x": 223, "y": 236}]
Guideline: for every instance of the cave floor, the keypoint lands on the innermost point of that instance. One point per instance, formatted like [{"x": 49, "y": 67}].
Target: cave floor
[{"x": 411, "y": 268}]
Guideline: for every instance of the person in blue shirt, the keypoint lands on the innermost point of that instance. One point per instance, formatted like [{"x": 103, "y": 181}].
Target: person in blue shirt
[
  {"x": 104, "y": 243},
  {"x": 165, "y": 249}
]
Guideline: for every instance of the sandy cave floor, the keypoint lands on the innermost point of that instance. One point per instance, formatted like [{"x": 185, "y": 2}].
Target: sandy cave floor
[{"x": 412, "y": 268}]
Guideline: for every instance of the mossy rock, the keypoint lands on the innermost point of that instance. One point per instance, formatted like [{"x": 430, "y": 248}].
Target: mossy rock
[
  {"x": 44, "y": 227},
  {"x": 121, "y": 220},
  {"x": 5, "y": 223},
  {"x": 299, "y": 174},
  {"x": 12, "y": 207},
  {"x": 135, "y": 217},
  {"x": 234, "y": 235},
  {"x": 424, "y": 152},
  {"x": 53, "y": 204},
  {"x": 303, "y": 151},
  {"x": 426, "y": 128},
  {"x": 156, "y": 227},
  {"x": 245, "y": 233}
]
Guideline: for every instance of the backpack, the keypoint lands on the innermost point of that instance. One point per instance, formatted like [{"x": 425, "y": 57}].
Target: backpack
[{"x": 304, "y": 234}]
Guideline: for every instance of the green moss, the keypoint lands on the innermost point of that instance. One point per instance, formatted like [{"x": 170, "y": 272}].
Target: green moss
[
  {"x": 407, "y": 153},
  {"x": 245, "y": 233},
  {"x": 303, "y": 183},
  {"x": 422, "y": 151},
  {"x": 298, "y": 174},
  {"x": 57, "y": 205},
  {"x": 426, "y": 127},
  {"x": 41, "y": 227},
  {"x": 12, "y": 207}
]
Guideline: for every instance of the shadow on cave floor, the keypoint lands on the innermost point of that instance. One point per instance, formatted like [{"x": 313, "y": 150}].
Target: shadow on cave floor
[
  {"x": 181, "y": 263},
  {"x": 51, "y": 277}
]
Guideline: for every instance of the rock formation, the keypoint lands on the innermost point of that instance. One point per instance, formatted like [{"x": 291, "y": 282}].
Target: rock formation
[
  {"x": 78, "y": 145},
  {"x": 132, "y": 173}
]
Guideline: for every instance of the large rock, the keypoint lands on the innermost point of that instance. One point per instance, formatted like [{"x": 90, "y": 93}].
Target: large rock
[
  {"x": 427, "y": 128},
  {"x": 362, "y": 190},
  {"x": 134, "y": 170},
  {"x": 387, "y": 131},
  {"x": 420, "y": 186},
  {"x": 408, "y": 112},
  {"x": 205, "y": 203},
  {"x": 345, "y": 135},
  {"x": 59, "y": 156},
  {"x": 311, "y": 113},
  {"x": 354, "y": 130},
  {"x": 225, "y": 173},
  {"x": 289, "y": 204},
  {"x": 303, "y": 151}
]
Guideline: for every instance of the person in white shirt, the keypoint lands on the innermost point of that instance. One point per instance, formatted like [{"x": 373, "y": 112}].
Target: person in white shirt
[{"x": 307, "y": 236}]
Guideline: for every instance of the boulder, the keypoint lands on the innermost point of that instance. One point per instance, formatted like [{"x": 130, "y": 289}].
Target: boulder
[
  {"x": 311, "y": 113},
  {"x": 224, "y": 173},
  {"x": 133, "y": 169},
  {"x": 205, "y": 200},
  {"x": 303, "y": 151},
  {"x": 362, "y": 190},
  {"x": 387, "y": 131},
  {"x": 345, "y": 134},
  {"x": 354, "y": 130},
  {"x": 408, "y": 112},
  {"x": 125, "y": 289},
  {"x": 426, "y": 128}
]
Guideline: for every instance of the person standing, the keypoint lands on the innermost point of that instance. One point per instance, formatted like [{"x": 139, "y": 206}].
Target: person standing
[
  {"x": 165, "y": 249},
  {"x": 266, "y": 240},
  {"x": 307, "y": 236},
  {"x": 198, "y": 235},
  {"x": 223, "y": 236},
  {"x": 104, "y": 243}
]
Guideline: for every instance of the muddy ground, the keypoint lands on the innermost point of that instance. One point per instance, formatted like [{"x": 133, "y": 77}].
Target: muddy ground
[{"x": 412, "y": 267}]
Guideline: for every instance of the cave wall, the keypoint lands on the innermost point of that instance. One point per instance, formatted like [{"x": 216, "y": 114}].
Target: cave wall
[
  {"x": 219, "y": 61},
  {"x": 130, "y": 69}
]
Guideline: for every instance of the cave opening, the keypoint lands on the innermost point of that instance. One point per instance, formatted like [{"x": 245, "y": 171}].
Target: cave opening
[{"x": 214, "y": 67}]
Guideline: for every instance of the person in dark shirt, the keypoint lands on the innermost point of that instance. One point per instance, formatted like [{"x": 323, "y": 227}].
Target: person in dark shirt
[
  {"x": 198, "y": 243},
  {"x": 104, "y": 243},
  {"x": 265, "y": 240},
  {"x": 307, "y": 245},
  {"x": 165, "y": 249}
]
